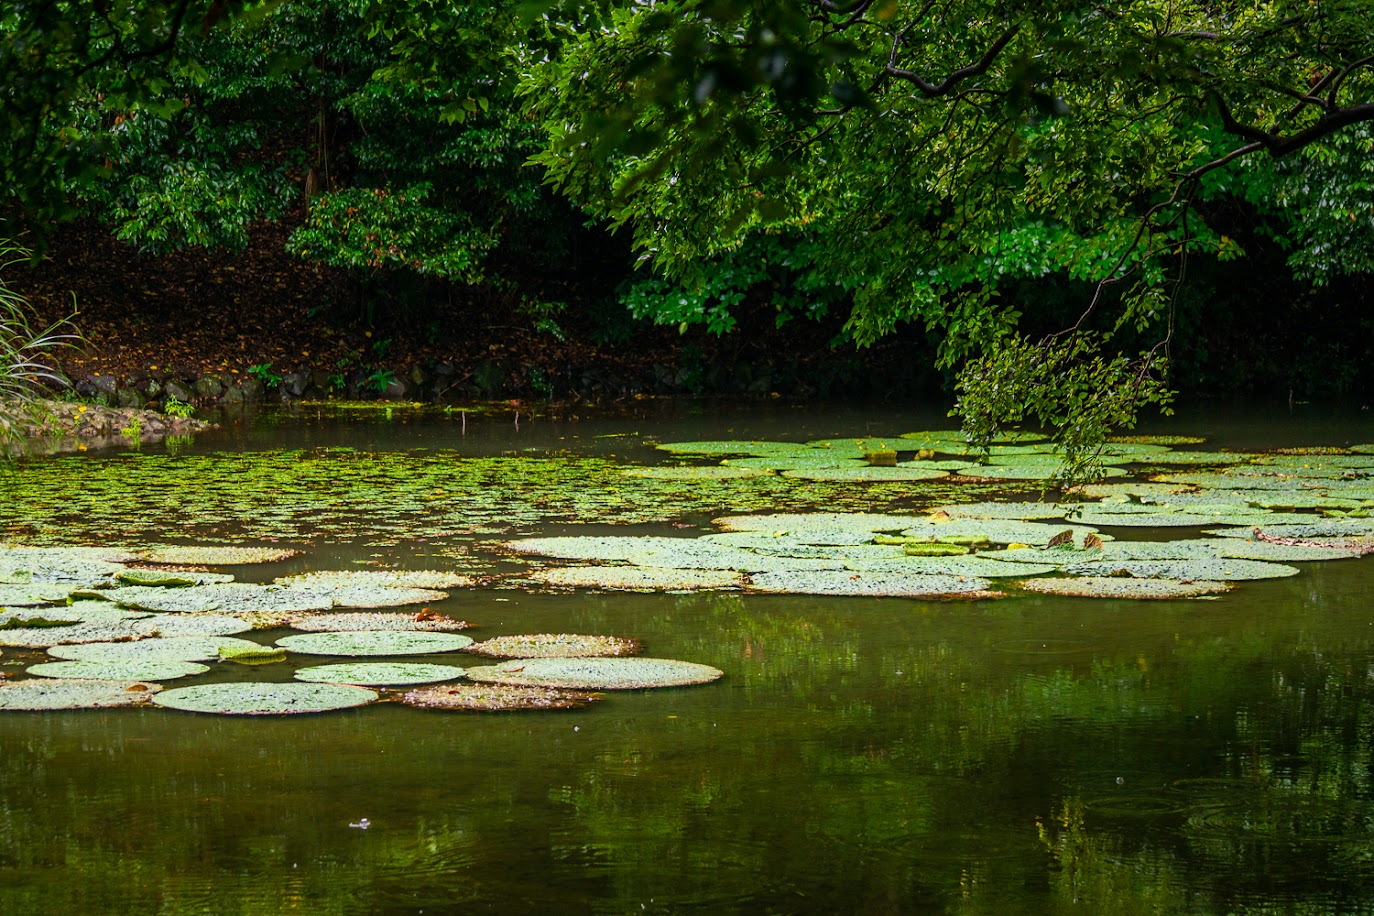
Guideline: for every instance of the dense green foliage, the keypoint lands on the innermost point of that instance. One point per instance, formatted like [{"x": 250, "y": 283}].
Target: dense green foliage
[
  {"x": 910, "y": 165},
  {"x": 24, "y": 353}
]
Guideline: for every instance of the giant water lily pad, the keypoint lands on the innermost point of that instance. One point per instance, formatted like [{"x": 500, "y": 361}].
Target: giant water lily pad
[
  {"x": 555, "y": 645},
  {"x": 1124, "y": 587},
  {"x": 171, "y": 648},
  {"x": 327, "y": 622},
  {"x": 636, "y": 578},
  {"x": 1316, "y": 530},
  {"x": 97, "y": 621},
  {"x": 164, "y": 579},
  {"x": 732, "y": 447},
  {"x": 878, "y": 584},
  {"x": 1018, "y": 511},
  {"x": 817, "y": 528},
  {"x": 262, "y": 699},
  {"x": 379, "y": 674},
  {"x": 1161, "y": 516},
  {"x": 196, "y": 624},
  {"x": 364, "y": 596},
  {"x": 219, "y": 556},
  {"x": 660, "y": 552},
  {"x": 126, "y": 669},
  {"x": 234, "y": 598},
  {"x": 968, "y": 565},
  {"x": 72, "y": 693},
  {"x": 995, "y": 530},
  {"x": 496, "y": 697},
  {"x": 794, "y": 462},
  {"x": 596, "y": 673},
  {"x": 328, "y": 579},
  {"x": 374, "y": 642},
  {"x": 1217, "y": 568},
  {"x": 35, "y": 594}
]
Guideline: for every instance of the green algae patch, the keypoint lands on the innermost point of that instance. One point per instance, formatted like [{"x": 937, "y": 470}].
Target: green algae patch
[
  {"x": 264, "y": 699},
  {"x": 718, "y": 472},
  {"x": 859, "y": 583},
  {"x": 597, "y": 673},
  {"x": 127, "y": 669},
  {"x": 219, "y": 556},
  {"x": 869, "y": 474},
  {"x": 374, "y": 642},
  {"x": 379, "y": 674},
  {"x": 74, "y": 693},
  {"x": 555, "y": 645},
  {"x": 174, "y": 648},
  {"x": 496, "y": 698},
  {"x": 1125, "y": 587},
  {"x": 636, "y": 578}
]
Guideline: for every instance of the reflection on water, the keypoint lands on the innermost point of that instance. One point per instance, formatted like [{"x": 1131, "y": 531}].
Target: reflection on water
[{"x": 1038, "y": 755}]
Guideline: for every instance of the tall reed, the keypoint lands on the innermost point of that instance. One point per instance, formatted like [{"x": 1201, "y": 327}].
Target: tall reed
[{"x": 26, "y": 361}]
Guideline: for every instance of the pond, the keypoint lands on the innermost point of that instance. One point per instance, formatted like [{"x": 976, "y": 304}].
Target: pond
[{"x": 1025, "y": 754}]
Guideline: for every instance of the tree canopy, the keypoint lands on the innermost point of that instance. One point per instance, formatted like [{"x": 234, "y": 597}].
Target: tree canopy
[{"x": 907, "y": 163}]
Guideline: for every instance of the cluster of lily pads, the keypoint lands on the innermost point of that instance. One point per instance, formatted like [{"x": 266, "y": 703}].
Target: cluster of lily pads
[
  {"x": 1256, "y": 513},
  {"x": 113, "y": 631}
]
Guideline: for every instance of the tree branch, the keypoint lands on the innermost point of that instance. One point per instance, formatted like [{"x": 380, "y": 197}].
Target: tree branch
[{"x": 935, "y": 90}]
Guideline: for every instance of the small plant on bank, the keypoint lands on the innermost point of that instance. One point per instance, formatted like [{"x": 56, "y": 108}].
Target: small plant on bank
[
  {"x": 134, "y": 430},
  {"x": 378, "y": 380},
  {"x": 180, "y": 409},
  {"x": 263, "y": 373}
]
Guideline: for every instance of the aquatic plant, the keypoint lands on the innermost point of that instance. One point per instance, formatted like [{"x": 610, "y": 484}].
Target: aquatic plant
[
  {"x": 124, "y": 669},
  {"x": 42, "y": 693},
  {"x": 379, "y": 674},
  {"x": 264, "y": 699},
  {"x": 596, "y": 673},
  {"x": 496, "y": 697},
  {"x": 374, "y": 642},
  {"x": 555, "y": 645}
]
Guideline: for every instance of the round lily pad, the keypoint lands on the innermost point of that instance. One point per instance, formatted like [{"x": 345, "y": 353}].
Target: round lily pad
[
  {"x": 219, "y": 556},
  {"x": 731, "y": 447},
  {"x": 968, "y": 565},
  {"x": 1019, "y": 511},
  {"x": 327, "y": 623},
  {"x": 596, "y": 673},
  {"x": 34, "y": 594},
  {"x": 363, "y": 595},
  {"x": 196, "y": 624},
  {"x": 1159, "y": 440},
  {"x": 1125, "y": 587},
  {"x": 1218, "y": 568},
  {"x": 374, "y": 642},
  {"x": 129, "y": 669},
  {"x": 165, "y": 579},
  {"x": 795, "y": 462},
  {"x": 555, "y": 645},
  {"x": 262, "y": 699},
  {"x": 636, "y": 578},
  {"x": 495, "y": 697},
  {"x": 379, "y": 674},
  {"x": 98, "y": 621},
  {"x": 821, "y": 528},
  {"x": 172, "y": 648},
  {"x": 73, "y": 693},
  {"x": 327, "y": 579},
  {"x": 846, "y": 582},
  {"x": 234, "y": 598}
]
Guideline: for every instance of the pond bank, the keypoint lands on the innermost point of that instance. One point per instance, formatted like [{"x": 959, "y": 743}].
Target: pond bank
[{"x": 69, "y": 426}]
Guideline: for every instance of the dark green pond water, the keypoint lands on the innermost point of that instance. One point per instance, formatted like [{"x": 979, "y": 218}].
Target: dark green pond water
[{"x": 864, "y": 755}]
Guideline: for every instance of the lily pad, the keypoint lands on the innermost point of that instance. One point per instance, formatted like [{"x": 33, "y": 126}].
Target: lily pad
[
  {"x": 219, "y": 556},
  {"x": 98, "y": 622},
  {"x": 857, "y": 583},
  {"x": 234, "y": 598},
  {"x": 71, "y": 693},
  {"x": 1159, "y": 440},
  {"x": 363, "y": 595},
  {"x": 128, "y": 669},
  {"x": 379, "y": 674},
  {"x": 731, "y": 447},
  {"x": 169, "y": 579},
  {"x": 997, "y": 531},
  {"x": 819, "y": 528},
  {"x": 495, "y": 697},
  {"x": 636, "y": 578},
  {"x": 36, "y": 594},
  {"x": 596, "y": 673},
  {"x": 374, "y": 642},
  {"x": 262, "y": 699},
  {"x": 794, "y": 462},
  {"x": 1125, "y": 587},
  {"x": 196, "y": 624},
  {"x": 254, "y": 655},
  {"x": 1214, "y": 568},
  {"x": 974, "y": 565},
  {"x": 426, "y": 622},
  {"x": 555, "y": 645},
  {"x": 325, "y": 579},
  {"x": 164, "y": 648},
  {"x": 1019, "y": 511}
]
